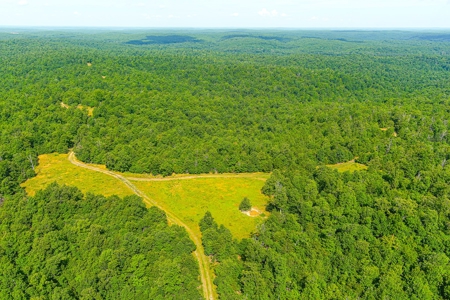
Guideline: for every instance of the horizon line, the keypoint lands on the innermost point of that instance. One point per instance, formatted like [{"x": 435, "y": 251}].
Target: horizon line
[{"x": 219, "y": 28}]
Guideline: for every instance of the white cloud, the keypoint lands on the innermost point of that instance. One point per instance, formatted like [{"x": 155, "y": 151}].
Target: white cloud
[
  {"x": 264, "y": 12},
  {"x": 22, "y": 2},
  {"x": 270, "y": 13},
  {"x": 235, "y": 14},
  {"x": 76, "y": 13}
]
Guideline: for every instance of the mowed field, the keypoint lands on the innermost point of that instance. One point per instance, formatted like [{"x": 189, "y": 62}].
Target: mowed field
[{"x": 187, "y": 197}]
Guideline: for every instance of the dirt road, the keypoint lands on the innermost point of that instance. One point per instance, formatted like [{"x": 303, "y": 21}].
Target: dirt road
[{"x": 203, "y": 261}]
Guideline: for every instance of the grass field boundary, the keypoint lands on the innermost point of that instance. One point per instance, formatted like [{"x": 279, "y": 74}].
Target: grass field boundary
[{"x": 201, "y": 176}]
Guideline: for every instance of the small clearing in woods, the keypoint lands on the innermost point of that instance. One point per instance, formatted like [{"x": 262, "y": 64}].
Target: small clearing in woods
[
  {"x": 350, "y": 166},
  {"x": 90, "y": 110},
  {"x": 89, "y": 64},
  {"x": 64, "y": 105},
  {"x": 385, "y": 129}
]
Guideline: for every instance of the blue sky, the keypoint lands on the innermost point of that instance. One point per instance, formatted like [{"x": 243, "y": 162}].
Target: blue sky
[{"x": 228, "y": 13}]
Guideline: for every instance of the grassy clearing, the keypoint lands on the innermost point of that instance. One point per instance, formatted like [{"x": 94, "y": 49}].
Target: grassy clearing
[
  {"x": 187, "y": 197},
  {"x": 386, "y": 129},
  {"x": 350, "y": 166},
  {"x": 90, "y": 110},
  {"x": 63, "y": 105},
  {"x": 56, "y": 167}
]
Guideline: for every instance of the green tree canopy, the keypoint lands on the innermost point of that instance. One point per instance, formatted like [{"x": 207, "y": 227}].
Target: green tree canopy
[{"x": 245, "y": 205}]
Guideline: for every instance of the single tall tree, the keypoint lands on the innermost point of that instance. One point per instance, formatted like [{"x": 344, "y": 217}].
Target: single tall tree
[{"x": 245, "y": 204}]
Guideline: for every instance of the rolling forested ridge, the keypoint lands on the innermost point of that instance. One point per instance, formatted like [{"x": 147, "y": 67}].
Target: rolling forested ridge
[{"x": 296, "y": 104}]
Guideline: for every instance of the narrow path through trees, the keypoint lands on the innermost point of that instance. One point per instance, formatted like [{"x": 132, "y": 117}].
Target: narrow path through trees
[{"x": 203, "y": 261}]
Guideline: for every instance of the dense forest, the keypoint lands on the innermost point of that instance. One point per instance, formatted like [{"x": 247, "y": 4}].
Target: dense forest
[
  {"x": 340, "y": 236},
  {"x": 286, "y": 102},
  {"x": 63, "y": 245}
]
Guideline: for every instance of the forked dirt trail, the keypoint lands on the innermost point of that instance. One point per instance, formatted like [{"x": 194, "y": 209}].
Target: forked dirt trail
[{"x": 203, "y": 262}]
